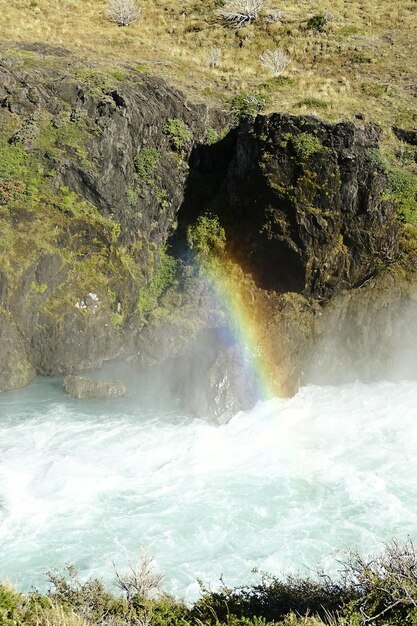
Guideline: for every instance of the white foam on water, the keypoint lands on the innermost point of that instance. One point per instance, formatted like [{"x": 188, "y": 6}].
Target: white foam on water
[{"x": 282, "y": 487}]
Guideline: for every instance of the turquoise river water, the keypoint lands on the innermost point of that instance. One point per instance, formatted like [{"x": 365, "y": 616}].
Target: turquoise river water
[{"x": 283, "y": 487}]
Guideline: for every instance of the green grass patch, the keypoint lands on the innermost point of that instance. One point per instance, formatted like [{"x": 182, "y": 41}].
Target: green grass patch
[
  {"x": 312, "y": 103},
  {"x": 306, "y": 144},
  {"x": 146, "y": 161},
  {"x": 178, "y": 133},
  {"x": 402, "y": 183},
  {"x": 38, "y": 287},
  {"x": 70, "y": 202},
  {"x": 21, "y": 175},
  {"x": 161, "y": 280},
  {"x": 58, "y": 136},
  {"x": 402, "y": 189},
  {"x": 100, "y": 79}
]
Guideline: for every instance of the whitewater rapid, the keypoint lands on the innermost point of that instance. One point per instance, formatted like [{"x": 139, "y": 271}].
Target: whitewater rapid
[{"x": 283, "y": 487}]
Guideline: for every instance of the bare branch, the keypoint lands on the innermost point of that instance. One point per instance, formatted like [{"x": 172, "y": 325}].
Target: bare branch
[
  {"x": 239, "y": 13},
  {"x": 142, "y": 578},
  {"x": 123, "y": 12},
  {"x": 214, "y": 57},
  {"x": 274, "y": 60},
  {"x": 273, "y": 15}
]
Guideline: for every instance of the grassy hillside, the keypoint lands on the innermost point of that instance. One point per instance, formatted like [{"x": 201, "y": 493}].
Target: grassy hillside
[{"x": 362, "y": 62}]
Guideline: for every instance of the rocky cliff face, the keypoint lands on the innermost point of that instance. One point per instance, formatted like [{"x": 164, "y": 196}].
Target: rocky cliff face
[
  {"x": 101, "y": 169},
  {"x": 304, "y": 204},
  {"x": 91, "y": 179},
  {"x": 368, "y": 333}
]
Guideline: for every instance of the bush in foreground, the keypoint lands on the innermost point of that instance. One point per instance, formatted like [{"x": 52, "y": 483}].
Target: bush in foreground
[{"x": 380, "y": 591}]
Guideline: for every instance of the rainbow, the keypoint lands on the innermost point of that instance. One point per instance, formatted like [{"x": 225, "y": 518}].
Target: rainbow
[{"x": 236, "y": 293}]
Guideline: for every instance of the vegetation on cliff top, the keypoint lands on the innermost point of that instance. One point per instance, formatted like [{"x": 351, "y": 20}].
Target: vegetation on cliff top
[
  {"x": 346, "y": 58},
  {"x": 380, "y": 591}
]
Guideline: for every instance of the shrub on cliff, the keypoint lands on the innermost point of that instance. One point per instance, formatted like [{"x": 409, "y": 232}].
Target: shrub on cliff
[
  {"x": 123, "y": 12},
  {"x": 238, "y": 13},
  {"x": 274, "y": 60},
  {"x": 374, "y": 591},
  {"x": 146, "y": 161},
  {"x": 247, "y": 105},
  {"x": 207, "y": 238},
  {"x": 10, "y": 606},
  {"x": 386, "y": 586},
  {"x": 306, "y": 144},
  {"x": 160, "y": 281},
  {"x": 141, "y": 578},
  {"x": 178, "y": 133},
  {"x": 317, "y": 22},
  {"x": 274, "y": 600}
]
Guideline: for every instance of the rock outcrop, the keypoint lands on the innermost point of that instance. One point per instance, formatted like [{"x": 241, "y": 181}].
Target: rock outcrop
[
  {"x": 231, "y": 387},
  {"x": 368, "y": 333},
  {"x": 102, "y": 171},
  {"x": 303, "y": 203},
  {"x": 93, "y": 165},
  {"x": 85, "y": 388},
  {"x": 16, "y": 369}
]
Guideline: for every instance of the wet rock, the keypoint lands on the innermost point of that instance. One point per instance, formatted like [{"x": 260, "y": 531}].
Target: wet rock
[
  {"x": 68, "y": 341},
  {"x": 212, "y": 380},
  {"x": 74, "y": 296},
  {"x": 302, "y": 202},
  {"x": 16, "y": 370},
  {"x": 89, "y": 388},
  {"x": 367, "y": 333},
  {"x": 230, "y": 387}
]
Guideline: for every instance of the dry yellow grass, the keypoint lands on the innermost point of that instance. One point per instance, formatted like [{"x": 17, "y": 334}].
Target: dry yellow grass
[
  {"x": 56, "y": 616},
  {"x": 46, "y": 613},
  {"x": 365, "y": 61}
]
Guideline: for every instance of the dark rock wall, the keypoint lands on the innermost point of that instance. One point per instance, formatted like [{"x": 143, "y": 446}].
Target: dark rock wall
[
  {"x": 302, "y": 203},
  {"x": 96, "y": 225}
]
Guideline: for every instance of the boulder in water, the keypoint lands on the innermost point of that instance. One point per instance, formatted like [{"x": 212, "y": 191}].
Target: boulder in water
[
  {"x": 85, "y": 388},
  {"x": 227, "y": 387}
]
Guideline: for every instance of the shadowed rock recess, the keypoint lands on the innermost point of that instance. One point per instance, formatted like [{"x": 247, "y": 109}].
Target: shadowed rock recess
[{"x": 101, "y": 174}]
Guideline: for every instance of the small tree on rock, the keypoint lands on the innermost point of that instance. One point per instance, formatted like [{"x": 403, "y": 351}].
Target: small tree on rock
[{"x": 123, "y": 12}]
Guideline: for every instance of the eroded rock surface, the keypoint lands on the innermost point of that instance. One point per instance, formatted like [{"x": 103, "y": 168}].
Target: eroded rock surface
[
  {"x": 303, "y": 202},
  {"x": 89, "y": 388},
  {"x": 16, "y": 369}
]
